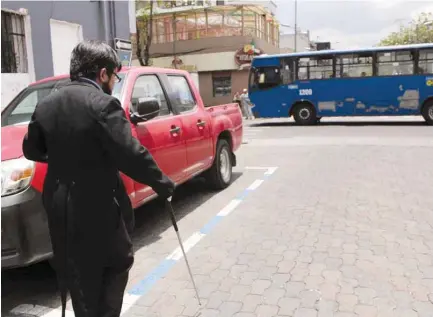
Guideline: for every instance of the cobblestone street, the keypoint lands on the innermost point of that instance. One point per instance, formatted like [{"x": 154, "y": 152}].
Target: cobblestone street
[{"x": 333, "y": 220}]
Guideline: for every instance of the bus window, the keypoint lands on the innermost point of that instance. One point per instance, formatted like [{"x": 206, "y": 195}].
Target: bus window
[
  {"x": 425, "y": 64},
  {"x": 315, "y": 67},
  {"x": 395, "y": 63},
  {"x": 266, "y": 77},
  {"x": 354, "y": 65},
  {"x": 286, "y": 70}
]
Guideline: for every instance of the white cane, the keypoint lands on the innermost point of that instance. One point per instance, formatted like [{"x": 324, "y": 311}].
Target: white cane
[{"x": 173, "y": 220}]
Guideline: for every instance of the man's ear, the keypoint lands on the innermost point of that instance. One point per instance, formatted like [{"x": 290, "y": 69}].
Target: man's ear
[{"x": 103, "y": 76}]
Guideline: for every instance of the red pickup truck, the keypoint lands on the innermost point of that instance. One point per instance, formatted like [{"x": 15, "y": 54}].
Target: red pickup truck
[{"x": 167, "y": 115}]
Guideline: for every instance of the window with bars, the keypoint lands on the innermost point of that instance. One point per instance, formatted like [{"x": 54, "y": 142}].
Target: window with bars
[{"x": 13, "y": 43}]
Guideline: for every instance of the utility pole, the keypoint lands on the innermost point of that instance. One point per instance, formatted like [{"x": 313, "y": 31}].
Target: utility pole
[
  {"x": 108, "y": 32},
  {"x": 174, "y": 41},
  {"x": 296, "y": 25}
]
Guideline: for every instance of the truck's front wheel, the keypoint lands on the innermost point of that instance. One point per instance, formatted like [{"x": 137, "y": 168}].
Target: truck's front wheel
[{"x": 219, "y": 175}]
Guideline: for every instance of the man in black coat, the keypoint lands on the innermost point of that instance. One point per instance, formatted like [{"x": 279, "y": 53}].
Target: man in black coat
[{"x": 83, "y": 134}]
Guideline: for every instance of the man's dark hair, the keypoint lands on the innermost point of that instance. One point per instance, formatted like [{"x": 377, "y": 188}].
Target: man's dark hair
[{"x": 89, "y": 57}]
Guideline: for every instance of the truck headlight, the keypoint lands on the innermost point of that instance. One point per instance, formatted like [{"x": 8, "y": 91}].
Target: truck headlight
[{"x": 16, "y": 176}]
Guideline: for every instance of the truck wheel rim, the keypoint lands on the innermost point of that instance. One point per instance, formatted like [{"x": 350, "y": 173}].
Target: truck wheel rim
[
  {"x": 430, "y": 113},
  {"x": 304, "y": 113},
  {"x": 225, "y": 165}
]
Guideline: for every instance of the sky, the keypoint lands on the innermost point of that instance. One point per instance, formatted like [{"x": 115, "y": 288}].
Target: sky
[{"x": 350, "y": 23}]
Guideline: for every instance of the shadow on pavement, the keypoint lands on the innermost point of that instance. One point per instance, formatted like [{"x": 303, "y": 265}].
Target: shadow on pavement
[
  {"x": 152, "y": 219},
  {"x": 341, "y": 123},
  {"x": 37, "y": 284}
]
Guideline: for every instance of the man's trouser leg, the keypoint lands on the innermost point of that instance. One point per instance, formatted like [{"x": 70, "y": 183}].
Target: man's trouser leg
[
  {"x": 113, "y": 289},
  {"x": 115, "y": 276}
]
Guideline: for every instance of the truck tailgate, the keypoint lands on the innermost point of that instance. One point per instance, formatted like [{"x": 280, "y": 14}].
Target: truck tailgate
[{"x": 230, "y": 116}]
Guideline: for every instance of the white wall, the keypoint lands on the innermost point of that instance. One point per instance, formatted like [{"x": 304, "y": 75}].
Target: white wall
[
  {"x": 194, "y": 77},
  {"x": 64, "y": 37},
  {"x": 203, "y": 62},
  {"x": 287, "y": 42},
  {"x": 12, "y": 84}
]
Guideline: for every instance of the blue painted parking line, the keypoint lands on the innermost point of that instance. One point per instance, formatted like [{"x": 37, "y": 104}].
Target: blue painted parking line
[{"x": 145, "y": 285}]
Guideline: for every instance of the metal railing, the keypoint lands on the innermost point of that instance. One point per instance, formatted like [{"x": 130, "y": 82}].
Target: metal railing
[{"x": 13, "y": 43}]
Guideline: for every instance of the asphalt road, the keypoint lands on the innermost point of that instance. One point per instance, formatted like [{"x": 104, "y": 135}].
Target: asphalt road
[{"x": 329, "y": 220}]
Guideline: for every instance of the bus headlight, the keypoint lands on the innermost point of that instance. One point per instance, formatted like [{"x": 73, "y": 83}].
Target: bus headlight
[{"x": 16, "y": 175}]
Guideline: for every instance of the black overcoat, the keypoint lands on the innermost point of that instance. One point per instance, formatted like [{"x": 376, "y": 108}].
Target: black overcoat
[{"x": 84, "y": 136}]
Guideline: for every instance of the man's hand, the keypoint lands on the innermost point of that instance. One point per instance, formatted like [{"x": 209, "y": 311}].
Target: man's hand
[{"x": 165, "y": 189}]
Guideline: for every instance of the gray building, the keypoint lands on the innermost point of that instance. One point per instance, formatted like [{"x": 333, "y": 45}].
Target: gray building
[
  {"x": 303, "y": 42},
  {"x": 38, "y": 36}
]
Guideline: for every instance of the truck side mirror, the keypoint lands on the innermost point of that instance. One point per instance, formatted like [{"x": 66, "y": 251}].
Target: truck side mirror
[{"x": 144, "y": 109}]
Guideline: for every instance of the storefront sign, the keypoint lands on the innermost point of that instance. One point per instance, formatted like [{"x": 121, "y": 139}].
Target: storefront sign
[{"x": 246, "y": 54}]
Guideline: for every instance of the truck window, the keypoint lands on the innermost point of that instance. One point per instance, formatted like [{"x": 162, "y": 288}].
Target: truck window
[
  {"x": 149, "y": 86},
  {"x": 24, "y": 107},
  {"x": 183, "y": 97}
]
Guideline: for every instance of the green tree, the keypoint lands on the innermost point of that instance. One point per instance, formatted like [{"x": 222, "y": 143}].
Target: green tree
[{"x": 419, "y": 30}]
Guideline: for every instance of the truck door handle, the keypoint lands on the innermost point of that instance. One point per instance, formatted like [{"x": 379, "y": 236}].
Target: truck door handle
[
  {"x": 201, "y": 123},
  {"x": 174, "y": 129}
]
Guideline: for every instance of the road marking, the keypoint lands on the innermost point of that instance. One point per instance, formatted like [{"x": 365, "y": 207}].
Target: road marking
[
  {"x": 229, "y": 207},
  {"x": 146, "y": 284},
  {"x": 255, "y": 184},
  {"x": 187, "y": 245}
]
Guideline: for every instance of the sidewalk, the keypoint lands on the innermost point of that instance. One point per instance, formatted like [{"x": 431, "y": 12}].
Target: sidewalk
[{"x": 321, "y": 249}]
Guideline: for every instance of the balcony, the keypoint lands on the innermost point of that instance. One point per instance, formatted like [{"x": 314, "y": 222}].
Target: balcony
[{"x": 212, "y": 29}]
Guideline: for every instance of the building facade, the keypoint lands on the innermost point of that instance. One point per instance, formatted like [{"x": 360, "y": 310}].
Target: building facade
[
  {"x": 303, "y": 42},
  {"x": 38, "y": 36},
  {"x": 215, "y": 42}
]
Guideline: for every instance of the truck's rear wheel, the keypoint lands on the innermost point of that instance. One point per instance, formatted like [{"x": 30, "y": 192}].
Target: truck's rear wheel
[
  {"x": 219, "y": 176},
  {"x": 305, "y": 114},
  {"x": 427, "y": 112}
]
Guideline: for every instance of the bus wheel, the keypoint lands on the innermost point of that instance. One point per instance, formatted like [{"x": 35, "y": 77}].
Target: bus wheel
[
  {"x": 427, "y": 112},
  {"x": 305, "y": 114}
]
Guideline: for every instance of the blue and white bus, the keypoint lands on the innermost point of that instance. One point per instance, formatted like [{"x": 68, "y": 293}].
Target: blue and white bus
[{"x": 379, "y": 81}]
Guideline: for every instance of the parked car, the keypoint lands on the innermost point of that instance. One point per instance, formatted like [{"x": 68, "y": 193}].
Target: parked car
[{"x": 185, "y": 138}]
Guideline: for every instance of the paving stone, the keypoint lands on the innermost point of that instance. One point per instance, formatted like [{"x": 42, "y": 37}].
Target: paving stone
[
  {"x": 238, "y": 293},
  {"x": 230, "y": 308},
  {"x": 217, "y": 298},
  {"x": 266, "y": 310},
  {"x": 294, "y": 288},
  {"x": 259, "y": 286},
  {"x": 347, "y": 302},
  {"x": 309, "y": 298},
  {"x": 365, "y": 311},
  {"x": 251, "y": 302},
  {"x": 271, "y": 296},
  {"x": 244, "y": 314},
  {"x": 285, "y": 266},
  {"x": 288, "y": 305},
  {"x": 306, "y": 312}
]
